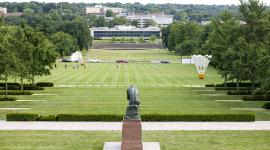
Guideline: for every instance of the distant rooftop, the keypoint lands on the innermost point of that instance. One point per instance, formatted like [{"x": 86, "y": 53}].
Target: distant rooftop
[{"x": 126, "y": 28}]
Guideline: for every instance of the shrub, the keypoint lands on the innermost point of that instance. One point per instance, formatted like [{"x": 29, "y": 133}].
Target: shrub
[
  {"x": 47, "y": 118},
  {"x": 21, "y": 117},
  {"x": 232, "y": 88},
  {"x": 233, "y": 84},
  {"x": 210, "y": 85},
  {"x": 4, "y": 84},
  {"x": 266, "y": 106},
  {"x": 256, "y": 98},
  {"x": 239, "y": 92},
  {"x": 8, "y": 98},
  {"x": 32, "y": 87},
  {"x": 45, "y": 84},
  {"x": 74, "y": 117},
  {"x": 16, "y": 93},
  {"x": 145, "y": 117},
  {"x": 199, "y": 117}
]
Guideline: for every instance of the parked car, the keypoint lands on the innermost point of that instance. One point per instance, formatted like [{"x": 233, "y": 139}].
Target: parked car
[
  {"x": 156, "y": 62},
  {"x": 94, "y": 60},
  {"x": 165, "y": 61},
  {"x": 121, "y": 61},
  {"x": 66, "y": 60}
]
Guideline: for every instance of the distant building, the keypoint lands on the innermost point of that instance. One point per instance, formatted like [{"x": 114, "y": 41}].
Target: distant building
[
  {"x": 3, "y": 10},
  {"x": 18, "y": 14},
  {"x": 125, "y": 31},
  {"x": 160, "y": 19},
  {"x": 101, "y": 11}
]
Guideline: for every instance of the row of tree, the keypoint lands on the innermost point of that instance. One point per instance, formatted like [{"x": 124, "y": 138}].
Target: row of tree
[
  {"x": 193, "y": 12},
  {"x": 73, "y": 29},
  {"x": 24, "y": 53},
  {"x": 239, "y": 44}
]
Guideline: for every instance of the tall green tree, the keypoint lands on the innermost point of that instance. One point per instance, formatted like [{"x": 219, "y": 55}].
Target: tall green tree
[
  {"x": 255, "y": 30},
  {"x": 8, "y": 61},
  {"x": 43, "y": 53},
  {"x": 64, "y": 43}
]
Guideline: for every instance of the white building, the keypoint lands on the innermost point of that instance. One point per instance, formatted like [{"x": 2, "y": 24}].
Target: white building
[
  {"x": 161, "y": 20},
  {"x": 101, "y": 11},
  {"x": 125, "y": 31},
  {"x": 3, "y": 10}
]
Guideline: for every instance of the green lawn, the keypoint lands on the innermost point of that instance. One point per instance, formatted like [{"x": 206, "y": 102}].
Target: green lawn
[
  {"x": 145, "y": 74},
  {"x": 101, "y": 89},
  {"x": 169, "y": 140},
  {"x": 139, "y": 55}
]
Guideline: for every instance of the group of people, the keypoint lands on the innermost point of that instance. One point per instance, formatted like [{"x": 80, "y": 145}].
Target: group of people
[{"x": 76, "y": 66}]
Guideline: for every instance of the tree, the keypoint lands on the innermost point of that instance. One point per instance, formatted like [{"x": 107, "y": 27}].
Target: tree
[
  {"x": 8, "y": 62},
  {"x": 43, "y": 53},
  {"x": 64, "y": 43},
  {"x": 79, "y": 30},
  {"x": 254, "y": 32},
  {"x": 223, "y": 45},
  {"x": 117, "y": 21},
  {"x": 134, "y": 23},
  {"x": 109, "y": 13},
  {"x": 149, "y": 23},
  {"x": 23, "y": 50},
  {"x": 153, "y": 38}
]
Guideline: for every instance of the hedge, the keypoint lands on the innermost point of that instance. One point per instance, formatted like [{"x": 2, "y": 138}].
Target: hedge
[
  {"x": 16, "y": 93},
  {"x": 8, "y": 98},
  {"x": 256, "y": 98},
  {"x": 145, "y": 117},
  {"x": 4, "y": 84},
  {"x": 239, "y": 92},
  {"x": 21, "y": 117},
  {"x": 266, "y": 106},
  {"x": 25, "y": 87},
  {"x": 233, "y": 84},
  {"x": 232, "y": 88},
  {"x": 45, "y": 84}
]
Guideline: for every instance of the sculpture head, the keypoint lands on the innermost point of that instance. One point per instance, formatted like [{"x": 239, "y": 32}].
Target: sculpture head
[{"x": 133, "y": 95}]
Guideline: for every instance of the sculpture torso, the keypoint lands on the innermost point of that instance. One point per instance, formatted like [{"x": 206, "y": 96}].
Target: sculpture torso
[{"x": 133, "y": 106}]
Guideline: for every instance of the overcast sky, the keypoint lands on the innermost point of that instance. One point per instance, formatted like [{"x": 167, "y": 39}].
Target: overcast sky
[{"x": 207, "y": 2}]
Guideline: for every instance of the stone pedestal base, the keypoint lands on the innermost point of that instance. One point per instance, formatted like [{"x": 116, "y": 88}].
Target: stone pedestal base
[
  {"x": 131, "y": 135},
  {"x": 117, "y": 146}
]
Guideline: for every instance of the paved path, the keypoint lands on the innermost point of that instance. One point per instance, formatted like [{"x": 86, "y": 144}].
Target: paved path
[{"x": 114, "y": 126}]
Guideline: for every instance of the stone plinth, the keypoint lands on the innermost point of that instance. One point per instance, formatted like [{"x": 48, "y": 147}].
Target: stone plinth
[
  {"x": 117, "y": 146},
  {"x": 132, "y": 135}
]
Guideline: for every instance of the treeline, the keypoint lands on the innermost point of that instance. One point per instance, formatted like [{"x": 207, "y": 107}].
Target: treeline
[
  {"x": 196, "y": 13},
  {"x": 68, "y": 32},
  {"x": 240, "y": 49},
  {"x": 24, "y": 53}
]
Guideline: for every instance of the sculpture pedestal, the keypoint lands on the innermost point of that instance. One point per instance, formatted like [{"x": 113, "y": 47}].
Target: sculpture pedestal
[
  {"x": 117, "y": 146},
  {"x": 131, "y": 135}
]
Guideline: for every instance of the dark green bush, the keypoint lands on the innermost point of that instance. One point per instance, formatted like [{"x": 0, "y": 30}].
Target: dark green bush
[
  {"x": 25, "y": 87},
  {"x": 200, "y": 117},
  {"x": 16, "y": 93},
  {"x": 47, "y": 118},
  {"x": 32, "y": 87},
  {"x": 9, "y": 84},
  {"x": 21, "y": 117},
  {"x": 239, "y": 92},
  {"x": 146, "y": 117},
  {"x": 8, "y": 98},
  {"x": 256, "y": 98},
  {"x": 266, "y": 106},
  {"x": 74, "y": 117},
  {"x": 210, "y": 85},
  {"x": 233, "y": 84},
  {"x": 45, "y": 84},
  {"x": 232, "y": 88}
]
